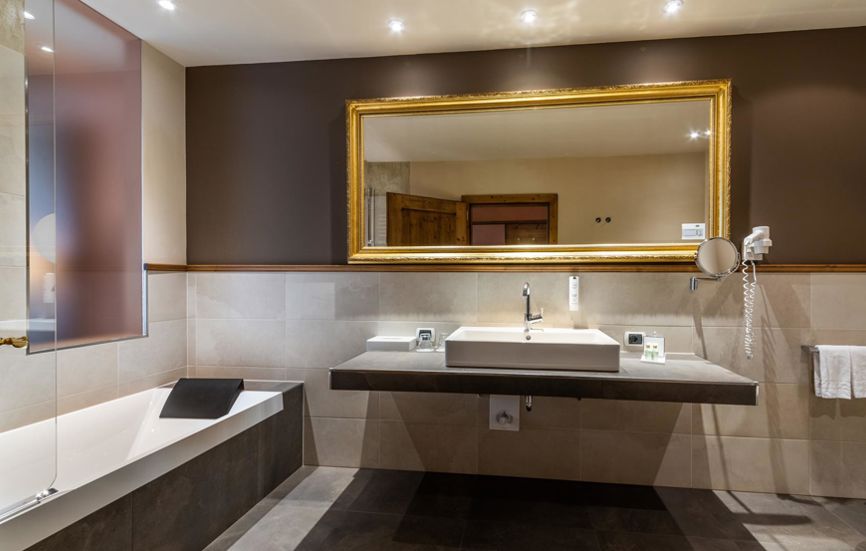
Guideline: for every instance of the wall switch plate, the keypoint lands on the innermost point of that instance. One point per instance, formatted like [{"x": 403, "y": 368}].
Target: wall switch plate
[
  {"x": 504, "y": 412},
  {"x": 694, "y": 231},
  {"x": 633, "y": 338}
]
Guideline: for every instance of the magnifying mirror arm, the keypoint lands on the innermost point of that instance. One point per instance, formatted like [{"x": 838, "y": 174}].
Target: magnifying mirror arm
[{"x": 693, "y": 282}]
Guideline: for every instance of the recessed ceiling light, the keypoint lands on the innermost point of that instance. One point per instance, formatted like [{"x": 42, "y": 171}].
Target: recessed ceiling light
[
  {"x": 694, "y": 135},
  {"x": 47, "y": 49},
  {"x": 673, "y": 6},
  {"x": 167, "y": 5},
  {"x": 396, "y": 26},
  {"x": 528, "y": 16},
  {"x": 28, "y": 15}
]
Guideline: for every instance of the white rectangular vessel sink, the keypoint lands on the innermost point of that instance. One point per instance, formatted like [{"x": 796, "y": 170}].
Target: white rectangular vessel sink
[{"x": 507, "y": 347}]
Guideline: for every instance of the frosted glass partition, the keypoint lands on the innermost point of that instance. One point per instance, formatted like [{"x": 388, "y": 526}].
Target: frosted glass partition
[{"x": 97, "y": 272}]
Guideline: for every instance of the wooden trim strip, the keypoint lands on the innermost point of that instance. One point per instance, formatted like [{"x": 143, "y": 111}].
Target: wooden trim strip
[{"x": 688, "y": 268}]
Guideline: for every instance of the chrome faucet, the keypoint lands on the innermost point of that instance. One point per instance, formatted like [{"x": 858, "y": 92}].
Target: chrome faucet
[{"x": 528, "y": 317}]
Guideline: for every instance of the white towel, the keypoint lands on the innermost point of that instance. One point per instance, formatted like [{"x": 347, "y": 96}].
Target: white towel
[
  {"x": 833, "y": 372},
  {"x": 858, "y": 371}
]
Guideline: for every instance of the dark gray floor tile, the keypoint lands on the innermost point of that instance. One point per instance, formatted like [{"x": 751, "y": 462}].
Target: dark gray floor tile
[
  {"x": 623, "y": 541},
  {"x": 379, "y": 491},
  {"x": 523, "y": 536},
  {"x": 852, "y": 511},
  {"x": 338, "y": 530}
]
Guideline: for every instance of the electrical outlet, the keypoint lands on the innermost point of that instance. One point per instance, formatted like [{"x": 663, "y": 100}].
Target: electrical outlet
[
  {"x": 504, "y": 412},
  {"x": 633, "y": 338}
]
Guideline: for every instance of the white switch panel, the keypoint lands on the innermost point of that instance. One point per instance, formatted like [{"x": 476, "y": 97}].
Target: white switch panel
[
  {"x": 504, "y": 412},
  {"x": 695, "y": 231}
]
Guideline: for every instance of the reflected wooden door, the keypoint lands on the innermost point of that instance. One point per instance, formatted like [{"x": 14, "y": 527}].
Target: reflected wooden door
[{"x": 421, "y": 221}]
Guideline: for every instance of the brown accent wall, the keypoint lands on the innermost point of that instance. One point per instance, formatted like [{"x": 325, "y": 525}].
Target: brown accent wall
[{"x": 266, "y": 145}]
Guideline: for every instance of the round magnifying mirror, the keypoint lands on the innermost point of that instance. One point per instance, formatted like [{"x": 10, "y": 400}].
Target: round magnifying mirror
[{"x": 717, "y": 257}]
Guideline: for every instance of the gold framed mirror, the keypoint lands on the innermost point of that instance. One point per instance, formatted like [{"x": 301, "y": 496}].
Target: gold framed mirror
[{"x": 621, "y": 174}]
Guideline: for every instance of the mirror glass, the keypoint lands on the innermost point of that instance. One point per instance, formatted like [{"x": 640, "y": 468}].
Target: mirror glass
[
  {"x": 717, "y": 257},
  {"x": 631, "y": 173}
]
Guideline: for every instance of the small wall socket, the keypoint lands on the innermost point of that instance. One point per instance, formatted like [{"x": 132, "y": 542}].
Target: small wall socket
[
  {"x": 504, "y": 412},
  {"x": 633, "y": 338}
]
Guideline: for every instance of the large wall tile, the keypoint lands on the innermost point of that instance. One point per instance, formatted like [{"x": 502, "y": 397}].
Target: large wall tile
[
  {"x": 500, "y": 298},
  {"x": 837, "y": 468},
  {"x": 240, "y": 343},
  {"x": 26, "y": 380},
  {"x": 332, "y": 296},
  {"x": 74, "y": 402},
  {"x": 839, "y": 301},
  {"x": 164, "y": 349},
  {"x": 782, "y": 412},
  {"x": 150, "y": 381},
  {"x": 635, "y": 299},
  {"x": 751, "y": 464},
  {"x": 428, "y": 296},
  {"x": 13, "y": 293},
  {"x": 12, "y": 237},
  {"x": 778, "y": 355},
  {"x": 319, "y": 343},
  {"x": 781, "y": 300},
  {"x": 341, "y": 442},
  {"x": 240, "y": 296},
  {"x": 87, "y": 368},
  {"x": 166, "y": 296},
  {"x": 321, "y": 401},
  {"x": 538, "y": 453},
  {"x": 635, "y": 458},
  {"x": 428, "y": 447},
  {"x": 261, "y": 373},
  {"x": 622, "y": 415},
  {"x": 420, "y": 407},
  {"x": 837, "y": 419}
]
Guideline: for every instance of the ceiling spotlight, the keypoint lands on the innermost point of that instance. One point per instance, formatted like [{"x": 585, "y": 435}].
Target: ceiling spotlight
[
  {"x": 528, "y": 16},
  {"x": 28, "y": 15},
  {"x": 396, "y": 25},
  {"x": 673, "y": 6},
  {"x": 708, "y": 133},
  {"x": 47, "y": 49},
  {"x": 167, "y": 5},
  {"x": 694, "y": 135}
]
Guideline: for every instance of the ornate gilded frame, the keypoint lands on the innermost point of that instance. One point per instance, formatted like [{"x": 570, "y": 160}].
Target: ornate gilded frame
[{"x": 718, "y": 223}]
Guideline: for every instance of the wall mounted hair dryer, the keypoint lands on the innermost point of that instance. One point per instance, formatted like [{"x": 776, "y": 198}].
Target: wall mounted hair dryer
[{"x": 755, "y": 246}]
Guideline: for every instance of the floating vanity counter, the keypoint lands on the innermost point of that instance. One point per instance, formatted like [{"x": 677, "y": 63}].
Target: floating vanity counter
[{"x": 684, "y": 378}]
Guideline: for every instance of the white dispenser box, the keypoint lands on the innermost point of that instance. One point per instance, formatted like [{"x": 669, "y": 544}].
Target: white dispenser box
[{"x": 391, "y": 344}]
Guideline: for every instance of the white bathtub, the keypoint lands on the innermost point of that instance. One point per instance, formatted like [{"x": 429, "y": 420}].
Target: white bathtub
[{"x": 105, "y": 452}]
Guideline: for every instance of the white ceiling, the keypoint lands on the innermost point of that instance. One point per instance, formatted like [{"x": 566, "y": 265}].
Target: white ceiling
[
  {"x": 614, "y": 130},
  {"x": 215, "y": 32}
]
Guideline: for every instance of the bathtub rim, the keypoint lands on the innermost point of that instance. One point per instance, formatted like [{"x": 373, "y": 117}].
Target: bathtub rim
[{"x": 64, "y": 508}]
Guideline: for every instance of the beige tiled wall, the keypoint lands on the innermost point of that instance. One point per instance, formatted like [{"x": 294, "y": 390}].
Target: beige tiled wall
[
  {"x": 81, "y": 377},
  {"x": 295, "y": 326}
]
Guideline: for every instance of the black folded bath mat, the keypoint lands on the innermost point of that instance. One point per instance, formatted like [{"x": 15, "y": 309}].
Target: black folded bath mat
[{"x": 201, "y": 398}]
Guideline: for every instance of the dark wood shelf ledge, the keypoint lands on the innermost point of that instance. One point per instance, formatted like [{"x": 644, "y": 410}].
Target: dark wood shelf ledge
[
  {"x": 684, "y": 378},
  {"x": 689, "y": 268}
]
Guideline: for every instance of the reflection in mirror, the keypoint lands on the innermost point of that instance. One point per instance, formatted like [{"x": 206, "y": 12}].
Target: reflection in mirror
[
  {"x": 619, "y": 173},
  {"x": 716, "y": 258}
]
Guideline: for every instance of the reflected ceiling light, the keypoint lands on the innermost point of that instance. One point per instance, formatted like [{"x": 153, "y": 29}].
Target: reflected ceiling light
[
  {"x": 673, "y": 6},
  {"x": 167, "y": 5},
  {"x": 528, "y": 16},
  {"x": 396, "y": 25},
  {"x": 28, "y": 15},
  {"x": 708, "y": 132},
  {"x": 47, "y": 49},
  {"x": 694, "y": 135}
]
